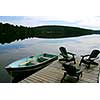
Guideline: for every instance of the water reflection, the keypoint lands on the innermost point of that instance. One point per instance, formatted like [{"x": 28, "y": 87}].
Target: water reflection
[{"x": 20, "y": 49}]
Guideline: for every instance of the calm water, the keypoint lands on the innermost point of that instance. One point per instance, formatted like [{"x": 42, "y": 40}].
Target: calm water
[{"x": 23, "y": 48}]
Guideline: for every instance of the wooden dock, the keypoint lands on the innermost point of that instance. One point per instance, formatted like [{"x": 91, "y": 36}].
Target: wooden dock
[{"x": 54, "y": 73}]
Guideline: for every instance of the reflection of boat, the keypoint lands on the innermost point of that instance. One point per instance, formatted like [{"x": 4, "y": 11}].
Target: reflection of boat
[{"x": 30, "y": 64}]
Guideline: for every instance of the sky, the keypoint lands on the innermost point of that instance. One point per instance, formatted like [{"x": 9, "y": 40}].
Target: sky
[
  {"x": 77, "y": 13},
  {"x": 92, "y": 22}
]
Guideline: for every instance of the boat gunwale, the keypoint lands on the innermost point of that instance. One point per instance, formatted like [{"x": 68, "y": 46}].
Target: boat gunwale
[{"x": 32, "y": 66}]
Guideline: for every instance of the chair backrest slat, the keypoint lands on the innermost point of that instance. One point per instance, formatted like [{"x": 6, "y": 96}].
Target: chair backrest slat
[
  {"x": 94, "y": 54},
  {"x": 63, "y": 51},
  {"x": 71, "y": 70}
]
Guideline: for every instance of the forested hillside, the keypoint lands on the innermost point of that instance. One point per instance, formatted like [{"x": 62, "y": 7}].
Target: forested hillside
[
  {"x": 60, "y": 31},
  {"x": 9, "y": 33}
]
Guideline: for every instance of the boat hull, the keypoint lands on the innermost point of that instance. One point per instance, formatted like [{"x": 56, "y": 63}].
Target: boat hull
[{"x": 20, "y": 71}]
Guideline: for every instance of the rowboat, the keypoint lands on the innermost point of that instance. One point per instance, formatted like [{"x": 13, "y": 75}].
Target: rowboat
[{"x": 30, "y": 64}]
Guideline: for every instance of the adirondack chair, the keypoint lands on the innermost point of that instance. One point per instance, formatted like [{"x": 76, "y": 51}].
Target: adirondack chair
[
  {"x": 67, "y": 56},
  {"x": 90, "y": 59},
  {"x": 71, "y": 71}
]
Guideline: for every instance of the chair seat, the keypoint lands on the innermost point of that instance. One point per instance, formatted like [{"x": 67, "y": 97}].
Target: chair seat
[
  {"x": 71, "y": 71},
  {"x": 91, "y": 58},
  {"x": 67, "y": 56}
]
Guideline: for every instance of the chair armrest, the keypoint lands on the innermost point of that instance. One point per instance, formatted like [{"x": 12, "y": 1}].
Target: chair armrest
[
  {"x": 94, "y": 58},
  {"x": 63, "y": 55},
  {"x": 71, "y": 53},
  {"x": 97, "y": 57},
  {"x": 60, "y": 54},
  {"x": 84, "y": 56},
  {"x": 79, "y": 71}
]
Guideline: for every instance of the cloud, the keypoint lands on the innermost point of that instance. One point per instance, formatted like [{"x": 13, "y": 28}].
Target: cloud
[{"x": 90, "y": 22}]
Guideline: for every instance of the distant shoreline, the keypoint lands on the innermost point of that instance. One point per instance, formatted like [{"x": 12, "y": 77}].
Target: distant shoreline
[{"x": 9, "y": 33}]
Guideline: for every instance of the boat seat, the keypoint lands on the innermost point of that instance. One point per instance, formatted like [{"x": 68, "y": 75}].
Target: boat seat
[
  {"x": 27, "y": 63},
  {"x": 41, "y": 59},
  {"x": 23, "y": 63}
]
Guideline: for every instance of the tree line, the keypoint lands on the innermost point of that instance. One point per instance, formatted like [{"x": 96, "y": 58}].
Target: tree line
[
  {"x": 55, "y": 31},
  {"x": 9, "y": 33}
]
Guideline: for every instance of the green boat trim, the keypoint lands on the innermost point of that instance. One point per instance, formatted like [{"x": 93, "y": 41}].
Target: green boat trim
[{"x": 31, "y": 63}]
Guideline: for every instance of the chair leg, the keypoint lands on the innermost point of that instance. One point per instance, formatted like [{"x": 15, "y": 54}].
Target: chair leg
[
  {"x": 80, "y": 63},
  {"x": 77, "y": 78},
  {"x": 95, "y": 63},
  {"x": 80, "y": 74},
  {"x": 88, "y": 66},
  {"x": 74, "y": 61},
  {"x": 65, "y": 73}
]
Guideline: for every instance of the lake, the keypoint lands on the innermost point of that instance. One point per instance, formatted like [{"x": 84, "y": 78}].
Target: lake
[{"x": 33, "y": 46}]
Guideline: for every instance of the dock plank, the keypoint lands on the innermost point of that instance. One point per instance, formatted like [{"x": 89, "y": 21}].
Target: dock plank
[{"x": 54, "y": 72}]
